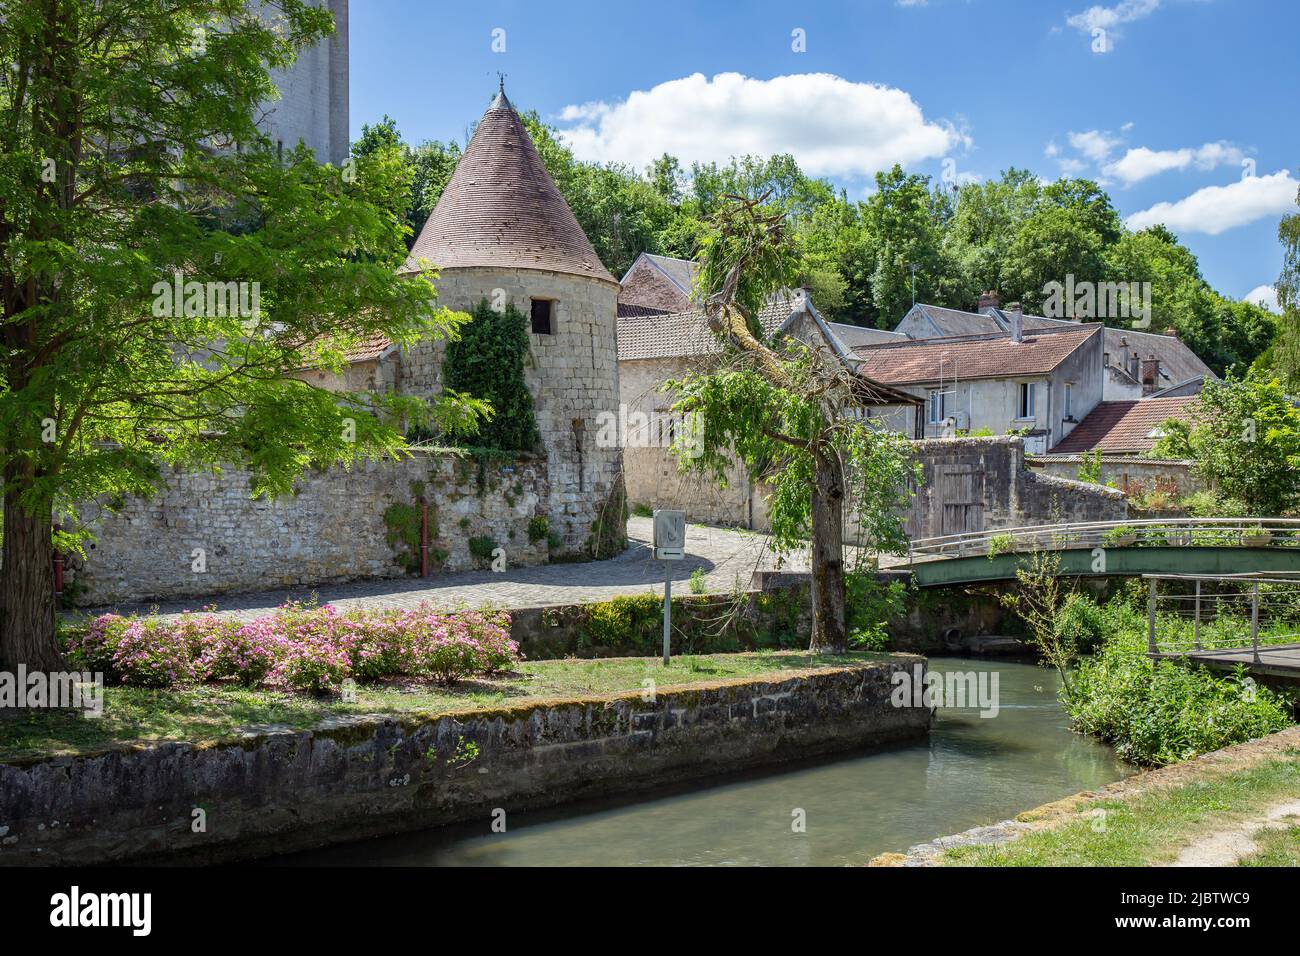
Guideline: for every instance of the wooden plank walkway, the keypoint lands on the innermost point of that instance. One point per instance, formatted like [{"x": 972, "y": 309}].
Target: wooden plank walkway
[{"x": 1275, "y": 660}]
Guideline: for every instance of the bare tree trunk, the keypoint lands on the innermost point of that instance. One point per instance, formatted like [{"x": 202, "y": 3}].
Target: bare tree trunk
[
  {"x": 27, "y": 632},
  {"x": 828, "y": 630}
]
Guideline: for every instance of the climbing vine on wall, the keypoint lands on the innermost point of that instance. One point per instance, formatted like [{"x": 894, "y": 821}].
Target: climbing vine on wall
[{"x": 488, "y": 362}]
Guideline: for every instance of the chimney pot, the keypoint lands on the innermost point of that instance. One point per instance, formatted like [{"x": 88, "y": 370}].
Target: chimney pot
[
  {"x": 988, "y": 300},
  {"x": 1171, "y": 331}
]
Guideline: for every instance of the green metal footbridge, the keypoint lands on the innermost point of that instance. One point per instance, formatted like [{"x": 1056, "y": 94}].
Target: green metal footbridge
[{"x": 1162, "y": 546}]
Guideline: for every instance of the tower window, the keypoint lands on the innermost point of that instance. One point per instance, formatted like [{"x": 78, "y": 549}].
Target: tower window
[{"x": 543, "y": 316}]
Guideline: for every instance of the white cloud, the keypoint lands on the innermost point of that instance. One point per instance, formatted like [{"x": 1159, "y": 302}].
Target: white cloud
[
  {"x": 1107, "y": 18},
  {"x": 1142, "y": 163},
  {"x": 1094, "y": 144},
  {"x": 1264, "y": 295},
  {"x": 1216, "y": 209},
  {"x": 832, "y": 126}
]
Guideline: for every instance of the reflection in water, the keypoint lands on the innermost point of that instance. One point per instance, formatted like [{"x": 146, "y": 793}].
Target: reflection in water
[{"x": 971, "y": 771}]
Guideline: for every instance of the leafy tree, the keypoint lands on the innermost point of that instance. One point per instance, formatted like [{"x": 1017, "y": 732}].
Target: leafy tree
[
  {"x": 784, "y": 413},
  {"x": 379, "y": 158},
  {"x": 904, "y": 220},
  {"x": 1054, "y": 242},
  {"x": 487, "y": 361},
  {"x": 1286, "y": 357},
  {"x": 119, "y": 178},
  {"x": 1244, "y": 442}
]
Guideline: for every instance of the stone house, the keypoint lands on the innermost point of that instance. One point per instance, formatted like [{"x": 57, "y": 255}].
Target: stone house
[
  {"x": 1136, "y": 363},
  {"x": 502, "y": 233},
  {"x": 1038, "y": 383},
  {"x": 653, "y": 348}
]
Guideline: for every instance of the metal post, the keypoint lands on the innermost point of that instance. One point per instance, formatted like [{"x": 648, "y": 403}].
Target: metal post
[
  {"x": 1254, "y": 621},
  {"x": 668, "y": 607},
  {"x": 1196, "y": 631},
  {"x": 1151, "y": 618}
]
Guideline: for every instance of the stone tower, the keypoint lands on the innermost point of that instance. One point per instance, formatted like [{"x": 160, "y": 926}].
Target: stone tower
[
  {"x": 502, "y": 231},
  {"x": 313, "y": 104}
]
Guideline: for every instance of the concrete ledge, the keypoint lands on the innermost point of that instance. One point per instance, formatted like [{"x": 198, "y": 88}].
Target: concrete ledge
[{"x": 276, "y": 791}]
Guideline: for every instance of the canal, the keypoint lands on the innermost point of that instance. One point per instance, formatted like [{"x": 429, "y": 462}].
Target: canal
[{"x": 973, "y": 770}]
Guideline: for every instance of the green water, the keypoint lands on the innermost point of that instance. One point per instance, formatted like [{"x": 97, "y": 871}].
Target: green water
[{"x": 972, "y": 771}]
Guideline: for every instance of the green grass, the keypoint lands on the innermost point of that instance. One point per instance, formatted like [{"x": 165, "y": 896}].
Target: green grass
[
  {"x": 1277, "y": 847},
  {"x": 1149, "y": 829},
  {"x": 210, "y": 712}
]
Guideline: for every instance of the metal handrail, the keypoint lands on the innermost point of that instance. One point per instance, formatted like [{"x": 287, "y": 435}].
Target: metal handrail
[{"x": 1083, "y": 534}]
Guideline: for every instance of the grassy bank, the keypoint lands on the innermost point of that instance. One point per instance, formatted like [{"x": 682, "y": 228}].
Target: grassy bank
[
  {"x": 1154, "y": 827},
  {"x": 208, "y": 712}
]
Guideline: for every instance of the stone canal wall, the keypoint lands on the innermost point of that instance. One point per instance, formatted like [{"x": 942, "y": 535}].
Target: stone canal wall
[{"x": 276, "y": 792}]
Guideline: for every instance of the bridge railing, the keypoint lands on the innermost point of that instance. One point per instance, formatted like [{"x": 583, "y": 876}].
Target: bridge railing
[
  {"x": 1200, "y": 614},
  {"x": 1149, "y": 532}
]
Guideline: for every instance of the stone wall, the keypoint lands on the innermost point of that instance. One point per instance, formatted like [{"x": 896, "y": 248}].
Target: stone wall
[
  {"x": 355, "y": 778},
  {"x": 1130, "y": 474},
  {"x": 331, "y": 530},
  {"x": 970, "y": 484},
  {"x": 975, "y": 484},
  {"x": 651, "y": 471},
  {"x": 572, "y": 374}
]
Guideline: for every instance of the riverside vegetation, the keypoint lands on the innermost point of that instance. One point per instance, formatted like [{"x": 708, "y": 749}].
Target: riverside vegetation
[{"x": 1154, "y": 712}]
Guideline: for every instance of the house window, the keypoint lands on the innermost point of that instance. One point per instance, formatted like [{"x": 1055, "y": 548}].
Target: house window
[
  {"x": 543, "y": 316},
  {"x": 1069, "y": 400},
  {"x": 1025, "y": 403},
  {"x": 938, "y": 405}
]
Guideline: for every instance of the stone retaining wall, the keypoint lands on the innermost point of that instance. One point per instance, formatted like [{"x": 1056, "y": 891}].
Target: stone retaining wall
[
  {"x": 204, "y": 534},
  {"x": 277, "y": 792}
]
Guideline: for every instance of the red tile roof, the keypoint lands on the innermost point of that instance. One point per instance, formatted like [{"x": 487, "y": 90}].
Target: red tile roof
[
  {"x": 1124, "y": 426},
  {"x": 963, "y": 359},
  {"x": 502, "y": 209}
]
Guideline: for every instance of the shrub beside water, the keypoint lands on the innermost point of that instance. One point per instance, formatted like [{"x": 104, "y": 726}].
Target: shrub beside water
[
  {"x": 1160, "y": 712},
  {"x": 296, "y": 647}
]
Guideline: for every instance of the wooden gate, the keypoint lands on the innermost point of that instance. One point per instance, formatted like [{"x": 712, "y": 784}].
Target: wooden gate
[{"x": 961, "y": 498}]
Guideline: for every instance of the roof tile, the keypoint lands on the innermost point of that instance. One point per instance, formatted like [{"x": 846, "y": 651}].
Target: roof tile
[
  {"x": 1124, "y": 426},
  {"x": 963, "y": 359},
  {"x": 501, "y": 208}
]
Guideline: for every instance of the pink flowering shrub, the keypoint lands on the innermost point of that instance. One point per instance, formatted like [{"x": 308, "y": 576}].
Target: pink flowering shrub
[
  {"x": 298, "y": 647},
  {"x": 92, "y": 649},
  {"x": 243, "y": 652},
  {"x": 149, "y": 653}
]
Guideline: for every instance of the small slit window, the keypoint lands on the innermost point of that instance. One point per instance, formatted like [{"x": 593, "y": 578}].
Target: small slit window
[{"x": 543, "y": 316}]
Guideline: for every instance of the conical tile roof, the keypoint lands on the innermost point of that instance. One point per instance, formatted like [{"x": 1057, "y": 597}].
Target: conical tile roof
[{"x": 502, "y": 209}]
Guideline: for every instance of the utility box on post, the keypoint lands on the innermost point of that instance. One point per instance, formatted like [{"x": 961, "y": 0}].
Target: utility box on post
[
  {"x": 669, "y": 545},
  {"x": 670, "y": 535}
]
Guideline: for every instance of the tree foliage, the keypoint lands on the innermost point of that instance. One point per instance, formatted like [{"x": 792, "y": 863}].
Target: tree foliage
[
  {"x": 120, "y": 179},
  {"x": 786, "y": 412},
  {"x": 1244, "y": 441},
  {"x": 1011, "y": 234}
]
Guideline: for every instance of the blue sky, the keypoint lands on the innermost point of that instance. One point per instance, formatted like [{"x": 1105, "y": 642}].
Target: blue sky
[{"x": 1164, "y": 105}]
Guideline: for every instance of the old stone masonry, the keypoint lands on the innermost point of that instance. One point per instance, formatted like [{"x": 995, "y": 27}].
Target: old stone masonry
[{"x": 501, "y": 231}]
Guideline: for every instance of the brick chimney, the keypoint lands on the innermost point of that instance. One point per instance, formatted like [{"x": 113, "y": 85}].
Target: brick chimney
[
  {"x": 1017, "y": 322},
  {"x": 1171, "y": 331},
  {"x": 1150, "y": 374},
  {"x": 988, "y": 300}
]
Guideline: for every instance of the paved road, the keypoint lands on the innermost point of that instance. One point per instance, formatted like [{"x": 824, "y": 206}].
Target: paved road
[{"x": 727, "y": 556}]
